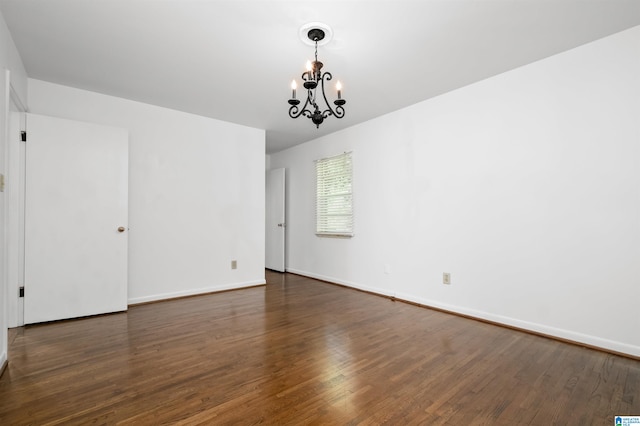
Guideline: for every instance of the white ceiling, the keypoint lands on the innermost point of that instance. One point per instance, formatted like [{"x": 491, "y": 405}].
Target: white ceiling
[{"x": 234, "y": 60}]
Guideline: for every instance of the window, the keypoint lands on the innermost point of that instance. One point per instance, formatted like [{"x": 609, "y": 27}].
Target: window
[{"x": 334, "y": 196}]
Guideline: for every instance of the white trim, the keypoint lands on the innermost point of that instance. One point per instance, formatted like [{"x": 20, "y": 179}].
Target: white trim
[
  {"x": 13, "y": 95},
  {"x": 530, "y": 326},
  {"x": 14, "y": 208},
  {"x": 333, "y": 280},
  {"x": 593, "y": 341},
  {"x": 193, "y": 292}
]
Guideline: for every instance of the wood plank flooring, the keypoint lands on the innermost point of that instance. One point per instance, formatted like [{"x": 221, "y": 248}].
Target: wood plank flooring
[{"x": 299, "y": 351}]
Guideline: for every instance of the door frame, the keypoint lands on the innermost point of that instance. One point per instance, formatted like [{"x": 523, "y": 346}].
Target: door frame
[{"x": 14, "y": 207}]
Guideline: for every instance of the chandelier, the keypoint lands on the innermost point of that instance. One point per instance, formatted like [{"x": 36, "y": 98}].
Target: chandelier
[{"x": 312, "y": 80}]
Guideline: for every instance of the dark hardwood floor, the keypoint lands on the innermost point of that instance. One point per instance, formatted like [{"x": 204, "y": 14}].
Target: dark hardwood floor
[{"x": 299, "y": 351}]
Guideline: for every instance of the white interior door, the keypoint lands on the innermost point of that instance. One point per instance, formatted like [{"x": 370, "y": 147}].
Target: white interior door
[
  {"x": 275, "y": 220},
  {"x": 75, "y": 219}
]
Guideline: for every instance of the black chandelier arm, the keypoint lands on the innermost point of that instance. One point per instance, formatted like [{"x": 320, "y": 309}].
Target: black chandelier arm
[
  {"x": 295, "y": 111},
  {"x": 338, "y": 112}
]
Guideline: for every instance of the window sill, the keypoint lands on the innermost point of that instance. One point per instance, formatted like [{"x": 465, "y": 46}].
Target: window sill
[{"x": 334, "y": 235}]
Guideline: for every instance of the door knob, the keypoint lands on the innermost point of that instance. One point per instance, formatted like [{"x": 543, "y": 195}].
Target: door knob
[
  {"x": 121, "y": 229},
  {"x": 281, "y": 225}
]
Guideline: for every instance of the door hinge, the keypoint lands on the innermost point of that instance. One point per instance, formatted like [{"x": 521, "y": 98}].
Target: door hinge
[
  {"x": 21, "y": 292},
  {"x": 23, "y": 135}
]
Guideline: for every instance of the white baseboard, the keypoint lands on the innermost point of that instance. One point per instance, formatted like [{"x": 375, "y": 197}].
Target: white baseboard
[
  {"x": 193, "y": 292},
  {"x": 568, "y": 335},
  {"x": 351, "y": 284},
  {"x": 559, "y": 333}
]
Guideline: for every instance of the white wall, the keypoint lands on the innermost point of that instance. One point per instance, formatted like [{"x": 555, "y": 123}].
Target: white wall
[
  {"x": 525, "y": 187},
  {"x": 13, "y": 75},
  {"x": 196, "y": 192}
]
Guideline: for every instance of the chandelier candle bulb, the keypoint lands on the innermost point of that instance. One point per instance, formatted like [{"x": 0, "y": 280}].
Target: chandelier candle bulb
[
  {"x": 339, "y": 89},
  {"x": 293, "y": 89},
  {"x": 309, "y": 70}
]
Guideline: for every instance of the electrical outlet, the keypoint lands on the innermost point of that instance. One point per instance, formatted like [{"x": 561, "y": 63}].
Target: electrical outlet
[
  {"x": 234, "y": 264},
  {"x": 446, "y": 278}
]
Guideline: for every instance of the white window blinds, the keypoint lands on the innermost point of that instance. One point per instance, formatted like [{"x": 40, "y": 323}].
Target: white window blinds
[{"x": 334, "y": 195}]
